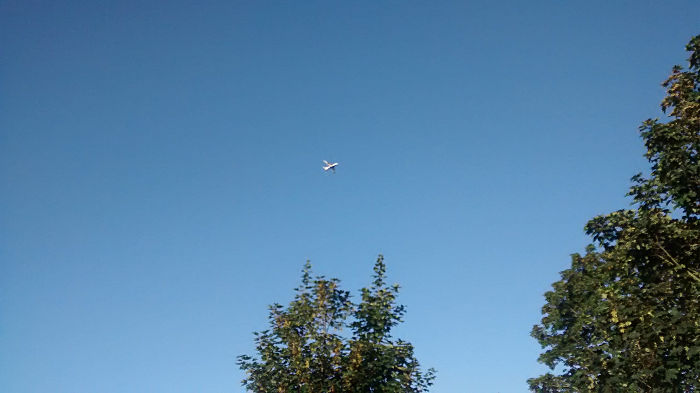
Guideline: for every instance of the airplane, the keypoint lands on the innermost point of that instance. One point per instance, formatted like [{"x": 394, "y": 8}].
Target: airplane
[{"x": 329, "y": 166}]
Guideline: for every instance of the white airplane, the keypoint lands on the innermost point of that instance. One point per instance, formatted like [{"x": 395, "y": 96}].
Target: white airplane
[{"x": 329, "y": 166}]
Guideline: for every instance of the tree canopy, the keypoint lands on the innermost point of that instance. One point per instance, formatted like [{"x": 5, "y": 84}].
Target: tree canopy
[
  {"x": 626, "y": 316},
  {"x": 306, "y": 350}
]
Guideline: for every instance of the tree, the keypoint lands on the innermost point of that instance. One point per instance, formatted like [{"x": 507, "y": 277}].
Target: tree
[
  {"x": 626, "y": 316},
  {"x": 305, "y": 350}
]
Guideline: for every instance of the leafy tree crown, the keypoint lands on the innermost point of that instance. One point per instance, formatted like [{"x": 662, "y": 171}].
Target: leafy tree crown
[
  {"x": 625, "y": 317},
  {"x": 306, "y": 350}
]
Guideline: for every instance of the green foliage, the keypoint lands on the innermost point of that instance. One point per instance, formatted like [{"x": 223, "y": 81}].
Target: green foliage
[
  {"x": 305, "y": 351},
  {"x": 626, "y": 316}
]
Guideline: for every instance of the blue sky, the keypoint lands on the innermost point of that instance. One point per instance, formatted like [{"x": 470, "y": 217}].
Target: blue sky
[{"x": 161, "y": 177}]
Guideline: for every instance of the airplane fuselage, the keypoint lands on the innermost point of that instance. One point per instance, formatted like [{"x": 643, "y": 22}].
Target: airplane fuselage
[{"x": 329, "y": 166}]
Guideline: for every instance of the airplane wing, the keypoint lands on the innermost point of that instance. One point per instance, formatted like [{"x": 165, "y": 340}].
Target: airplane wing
[{"x": 326, "y": 162}]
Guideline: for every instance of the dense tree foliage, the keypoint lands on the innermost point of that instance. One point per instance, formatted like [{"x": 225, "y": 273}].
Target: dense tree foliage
[
  {"x": 626, "y": 316},
  {"x": 305, "y": 349}
]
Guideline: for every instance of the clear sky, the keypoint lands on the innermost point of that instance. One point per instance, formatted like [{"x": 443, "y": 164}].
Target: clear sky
[{"x": 161, "y": 181}]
